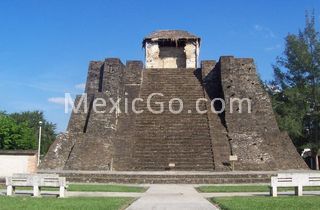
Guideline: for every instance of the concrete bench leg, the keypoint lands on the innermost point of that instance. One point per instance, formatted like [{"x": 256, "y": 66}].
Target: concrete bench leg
[
  {"x": 298, "y": 190},
  {"x": 36, "y": 191},
  {"x": 62, "y": 192},
  {"x": 274, "y": 191},
  {"x": 9, "y": 190}
]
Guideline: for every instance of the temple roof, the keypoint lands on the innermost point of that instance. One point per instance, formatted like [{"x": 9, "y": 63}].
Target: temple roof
[{"x": 173, "y": 35}]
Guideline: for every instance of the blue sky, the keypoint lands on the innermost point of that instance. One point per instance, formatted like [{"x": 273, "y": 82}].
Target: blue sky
[{"x": 45, "y": 46}]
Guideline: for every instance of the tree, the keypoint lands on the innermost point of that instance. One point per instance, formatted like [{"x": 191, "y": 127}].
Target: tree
[
  {"x": 21, "y": 130},
  {"x": 14, "y": 136},
  {"x": 33, "y": 118},
  {"x": 297, "y": 75}
]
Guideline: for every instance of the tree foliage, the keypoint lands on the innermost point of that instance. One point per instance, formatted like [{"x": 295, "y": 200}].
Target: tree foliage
[
  {"x": 297, "y": 76},
  {"x": 14, "y": 136},
  {"x": 21, "y": 130}
]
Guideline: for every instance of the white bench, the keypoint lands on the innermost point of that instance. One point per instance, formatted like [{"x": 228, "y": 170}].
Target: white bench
[
  {"x": 296, "y": 180},
  {"x": 36, "y": 181}
]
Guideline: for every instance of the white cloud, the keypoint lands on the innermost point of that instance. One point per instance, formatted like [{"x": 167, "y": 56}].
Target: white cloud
[
  {"x": 268, "y": 33},
  {"x": 275, "y": 47},
  {"x": 257, "y": 27},
  {"x": 80, "y": 86},
  {"x": 57, "y": 100}
]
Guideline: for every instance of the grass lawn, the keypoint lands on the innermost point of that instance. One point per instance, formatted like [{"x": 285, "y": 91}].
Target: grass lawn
[
  {"x": 247, "y": 188},
  {"x": 27, "y": 203},
  {"x": 264, "y": 203},
  {"x": 105, "y": 188},
  {"x": 93, "y": 188}
]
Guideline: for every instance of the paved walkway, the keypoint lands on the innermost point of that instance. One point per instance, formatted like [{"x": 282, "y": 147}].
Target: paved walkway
[
  {"x": 175, "y": 197},
  {"x": 138, "y": 195}
]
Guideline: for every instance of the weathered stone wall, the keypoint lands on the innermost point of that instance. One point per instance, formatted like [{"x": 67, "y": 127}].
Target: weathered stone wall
[
  {"x": 79, "y": 119},
  {"x": 192, "y": 52},
  {"x": 152, "y": 56},
  {"x": 254, "y": 137},
  {"x": 112, "y": 82},
  {"x": 94, "y": 78},
  {"x": 90, "y": 141},
  {"x": 126, "y": 127},
  {"x": 133, "y": 72},
  {"x": 221, "y": 148},
  {"x": 59, "y": 152},
  {"x": 171, "y": 57},
  {"x": 17, "y": 161},
  {"x": 101, "y": 124}
]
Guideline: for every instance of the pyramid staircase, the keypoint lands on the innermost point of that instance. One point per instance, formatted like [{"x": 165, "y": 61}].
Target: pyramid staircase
[{"x": 181, "y": 139}]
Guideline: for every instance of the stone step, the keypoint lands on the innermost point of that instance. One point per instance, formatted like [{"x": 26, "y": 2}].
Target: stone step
[
  {"x": 170, "y": 155},
  {"x": 178, "y": 167},
  {"x": 172, "y": 148},
  {"x": 180, "y": 162},
  {"x": 151, "y": 137},
  {"x": 187, "y": 147},
  {"x": 183, "y": 138},
  {"x": 172, "y": 177},
  {"x": 189, "y": 166}
]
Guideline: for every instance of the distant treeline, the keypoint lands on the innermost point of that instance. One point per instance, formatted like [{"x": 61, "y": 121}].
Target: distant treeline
[{"x": 21, "y": 130}]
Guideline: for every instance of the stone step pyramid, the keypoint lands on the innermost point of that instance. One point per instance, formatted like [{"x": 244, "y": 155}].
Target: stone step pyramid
[{"x": 190, "y": 141}]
